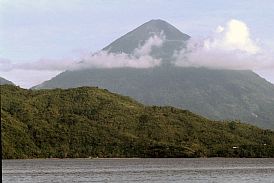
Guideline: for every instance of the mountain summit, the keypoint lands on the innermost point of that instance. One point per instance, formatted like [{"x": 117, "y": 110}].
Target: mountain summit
[{"x": 173, "y": 40}]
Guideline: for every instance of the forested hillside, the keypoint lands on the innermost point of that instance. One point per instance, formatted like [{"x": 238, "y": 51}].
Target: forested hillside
[{"x": 91, "y": 122}]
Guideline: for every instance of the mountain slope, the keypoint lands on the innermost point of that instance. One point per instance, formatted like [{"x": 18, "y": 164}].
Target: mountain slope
[
  {"x": 92, "y": 122},
  {"x": 216, "y": 94},
  {"x": 4, "y": 81}
]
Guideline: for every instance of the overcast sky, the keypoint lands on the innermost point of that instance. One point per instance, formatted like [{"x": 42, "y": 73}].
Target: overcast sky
[{"x": 33, "y": 30}]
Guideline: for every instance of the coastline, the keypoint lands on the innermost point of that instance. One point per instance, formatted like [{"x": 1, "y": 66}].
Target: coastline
[{"x": 135, "y": 158}]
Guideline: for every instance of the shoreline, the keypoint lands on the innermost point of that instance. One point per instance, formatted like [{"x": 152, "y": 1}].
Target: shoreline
[{"x": 137, "y": 158}]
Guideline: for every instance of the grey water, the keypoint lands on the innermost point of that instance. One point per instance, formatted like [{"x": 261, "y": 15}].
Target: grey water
[{"x": 139, "y": 170}]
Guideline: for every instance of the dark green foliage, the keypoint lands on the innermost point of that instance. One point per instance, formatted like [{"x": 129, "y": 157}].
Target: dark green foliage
[{"x": 92, "y": 122}]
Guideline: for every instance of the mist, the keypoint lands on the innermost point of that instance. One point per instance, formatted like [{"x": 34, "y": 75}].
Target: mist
[
  {"x": 102, "y": 59},
  {"x": 35, "y": 72},
  {"x": 139, "y": 59}
]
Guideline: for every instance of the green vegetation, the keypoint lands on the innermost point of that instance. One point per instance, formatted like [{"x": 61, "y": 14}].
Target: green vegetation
[{"x": 92, "y": 122}]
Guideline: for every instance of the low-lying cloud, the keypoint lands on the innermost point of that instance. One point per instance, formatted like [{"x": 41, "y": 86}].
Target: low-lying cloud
[
  {"x": 139, "y": 59},
  {"x": 28, "y": 74},
  {"x": 153, "y": 41},
  {"x": 234, "y": 36},
  {"x": 231, "y": 47}
]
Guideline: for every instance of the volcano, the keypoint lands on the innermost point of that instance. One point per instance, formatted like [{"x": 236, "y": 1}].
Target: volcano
[{"x": 217, "y": 94}]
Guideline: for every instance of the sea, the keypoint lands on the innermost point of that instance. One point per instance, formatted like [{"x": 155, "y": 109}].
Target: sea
[{"x": 189, "y": 170}]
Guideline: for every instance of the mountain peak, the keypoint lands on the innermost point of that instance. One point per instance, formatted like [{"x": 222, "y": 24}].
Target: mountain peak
[
  {"x": 174, "y": 39},
  {"x": 158, "y": 25},
  {"x": 157, "y": 22}
]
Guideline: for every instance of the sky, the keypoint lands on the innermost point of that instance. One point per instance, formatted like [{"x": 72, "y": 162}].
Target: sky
[{"x": 62, "y": 31}]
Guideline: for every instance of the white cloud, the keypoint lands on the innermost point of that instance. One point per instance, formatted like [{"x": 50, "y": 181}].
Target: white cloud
[
  {"x": 111, "y": 60},
  {"x": 140, "y": 59},
  {"x": 27, "y": 74},
  {"x": 47, "y": 64},
  {"x": 231, "y": 47},
  {"x": 234, "y": 36},
  {"x": 219, "y": 29},
  {"x": 149, "y": 44}
]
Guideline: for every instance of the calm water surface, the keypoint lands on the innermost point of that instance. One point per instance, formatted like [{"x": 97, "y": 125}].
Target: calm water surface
[{"x": 139, "y": 170}]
